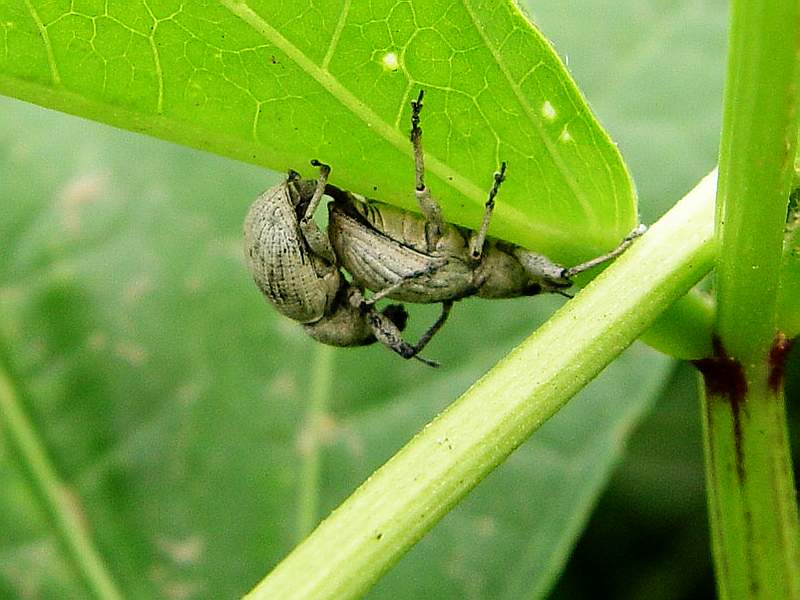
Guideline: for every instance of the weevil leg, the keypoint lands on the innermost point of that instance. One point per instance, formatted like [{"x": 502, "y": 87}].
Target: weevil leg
[
  {"x": 387, "y": 290},
  {"x": 388, "y": 334},
  {"x": 429, "y": 207},
  {"x": 292, "y": 177},
  {"x": 433, "y": 329},
  {"x": 398, "y": 344},
  {"x": 479, "y": 238},
  {"x": 317, "y": 241},
  {"x": 572, "y": 271},
  {"x": 554, "y": 277},
  {"x": 319, "y": 191}
]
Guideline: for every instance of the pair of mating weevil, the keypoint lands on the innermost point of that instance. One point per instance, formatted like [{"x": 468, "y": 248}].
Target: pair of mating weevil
[{"x": 393, "y": 252}]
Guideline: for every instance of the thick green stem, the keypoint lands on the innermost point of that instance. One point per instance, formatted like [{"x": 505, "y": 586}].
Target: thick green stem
[
  {"x": 684, "y": 330},
  {"x": 756, "y": 539},
  {"x": 406, "y": 497},
  {"x": 756, "y": 167},
  {"x": 751, "y": 492}
]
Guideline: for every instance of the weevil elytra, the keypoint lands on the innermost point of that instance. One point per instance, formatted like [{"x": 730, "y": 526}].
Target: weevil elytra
[
  {"x": 421, "y": 258},
  {"x": 293, "y": 265},
  {"x": 300, "y": 281}
]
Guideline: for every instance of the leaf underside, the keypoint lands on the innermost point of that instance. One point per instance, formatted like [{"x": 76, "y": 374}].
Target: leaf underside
[{"x": 277, "y": 84}]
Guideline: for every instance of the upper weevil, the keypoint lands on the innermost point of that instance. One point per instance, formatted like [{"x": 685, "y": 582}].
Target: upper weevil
[
  {"x": 421, "y": 258},
  {"x": 293, "y": 265}
]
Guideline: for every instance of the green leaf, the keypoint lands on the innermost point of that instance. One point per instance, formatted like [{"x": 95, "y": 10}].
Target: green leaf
[{"x": 277, "y": 84}]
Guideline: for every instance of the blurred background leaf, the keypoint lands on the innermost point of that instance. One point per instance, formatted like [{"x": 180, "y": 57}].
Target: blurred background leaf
[{"x": 173, "y": 400}]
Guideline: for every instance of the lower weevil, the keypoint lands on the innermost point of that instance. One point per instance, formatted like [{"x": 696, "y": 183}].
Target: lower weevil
[{"x": 293, "y": 265}]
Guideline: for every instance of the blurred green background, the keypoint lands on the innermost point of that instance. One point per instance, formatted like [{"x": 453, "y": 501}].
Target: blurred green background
[{"x": 173, "y": 401}]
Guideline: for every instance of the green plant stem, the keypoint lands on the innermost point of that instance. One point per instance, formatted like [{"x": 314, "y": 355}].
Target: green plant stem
[
  {"x": 405, "y": 498},
  {"x": 756, "y": 167},
  {"x": 754, "y": 523},
  {"x": 57, "y": 499},
  {"x": 684, "y": 330},
  {"x": 752, "y": 507}
]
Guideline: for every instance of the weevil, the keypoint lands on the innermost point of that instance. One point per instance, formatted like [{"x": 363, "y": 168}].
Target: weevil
[
  {"x": 294, "y": 266},
  {"x": 422, "y": 258}
]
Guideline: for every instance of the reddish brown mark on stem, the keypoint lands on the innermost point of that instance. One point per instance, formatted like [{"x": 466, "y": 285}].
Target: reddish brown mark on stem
[{"x": 725, "y": 382}]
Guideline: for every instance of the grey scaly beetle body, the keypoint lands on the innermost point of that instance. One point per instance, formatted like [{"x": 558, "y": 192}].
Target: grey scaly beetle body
[
  {"x": 293, "y": 265},
  {"x": 421, "y": 258},
  {"x": 385, "y": 247},
  {"x": 299, "y": 282}
]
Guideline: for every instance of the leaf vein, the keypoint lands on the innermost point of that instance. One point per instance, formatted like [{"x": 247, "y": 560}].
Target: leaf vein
[
  {"x": 156, "y": 60},
  {"x": 48, "y": 47},
  {"x": 337, "y": 33}
]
